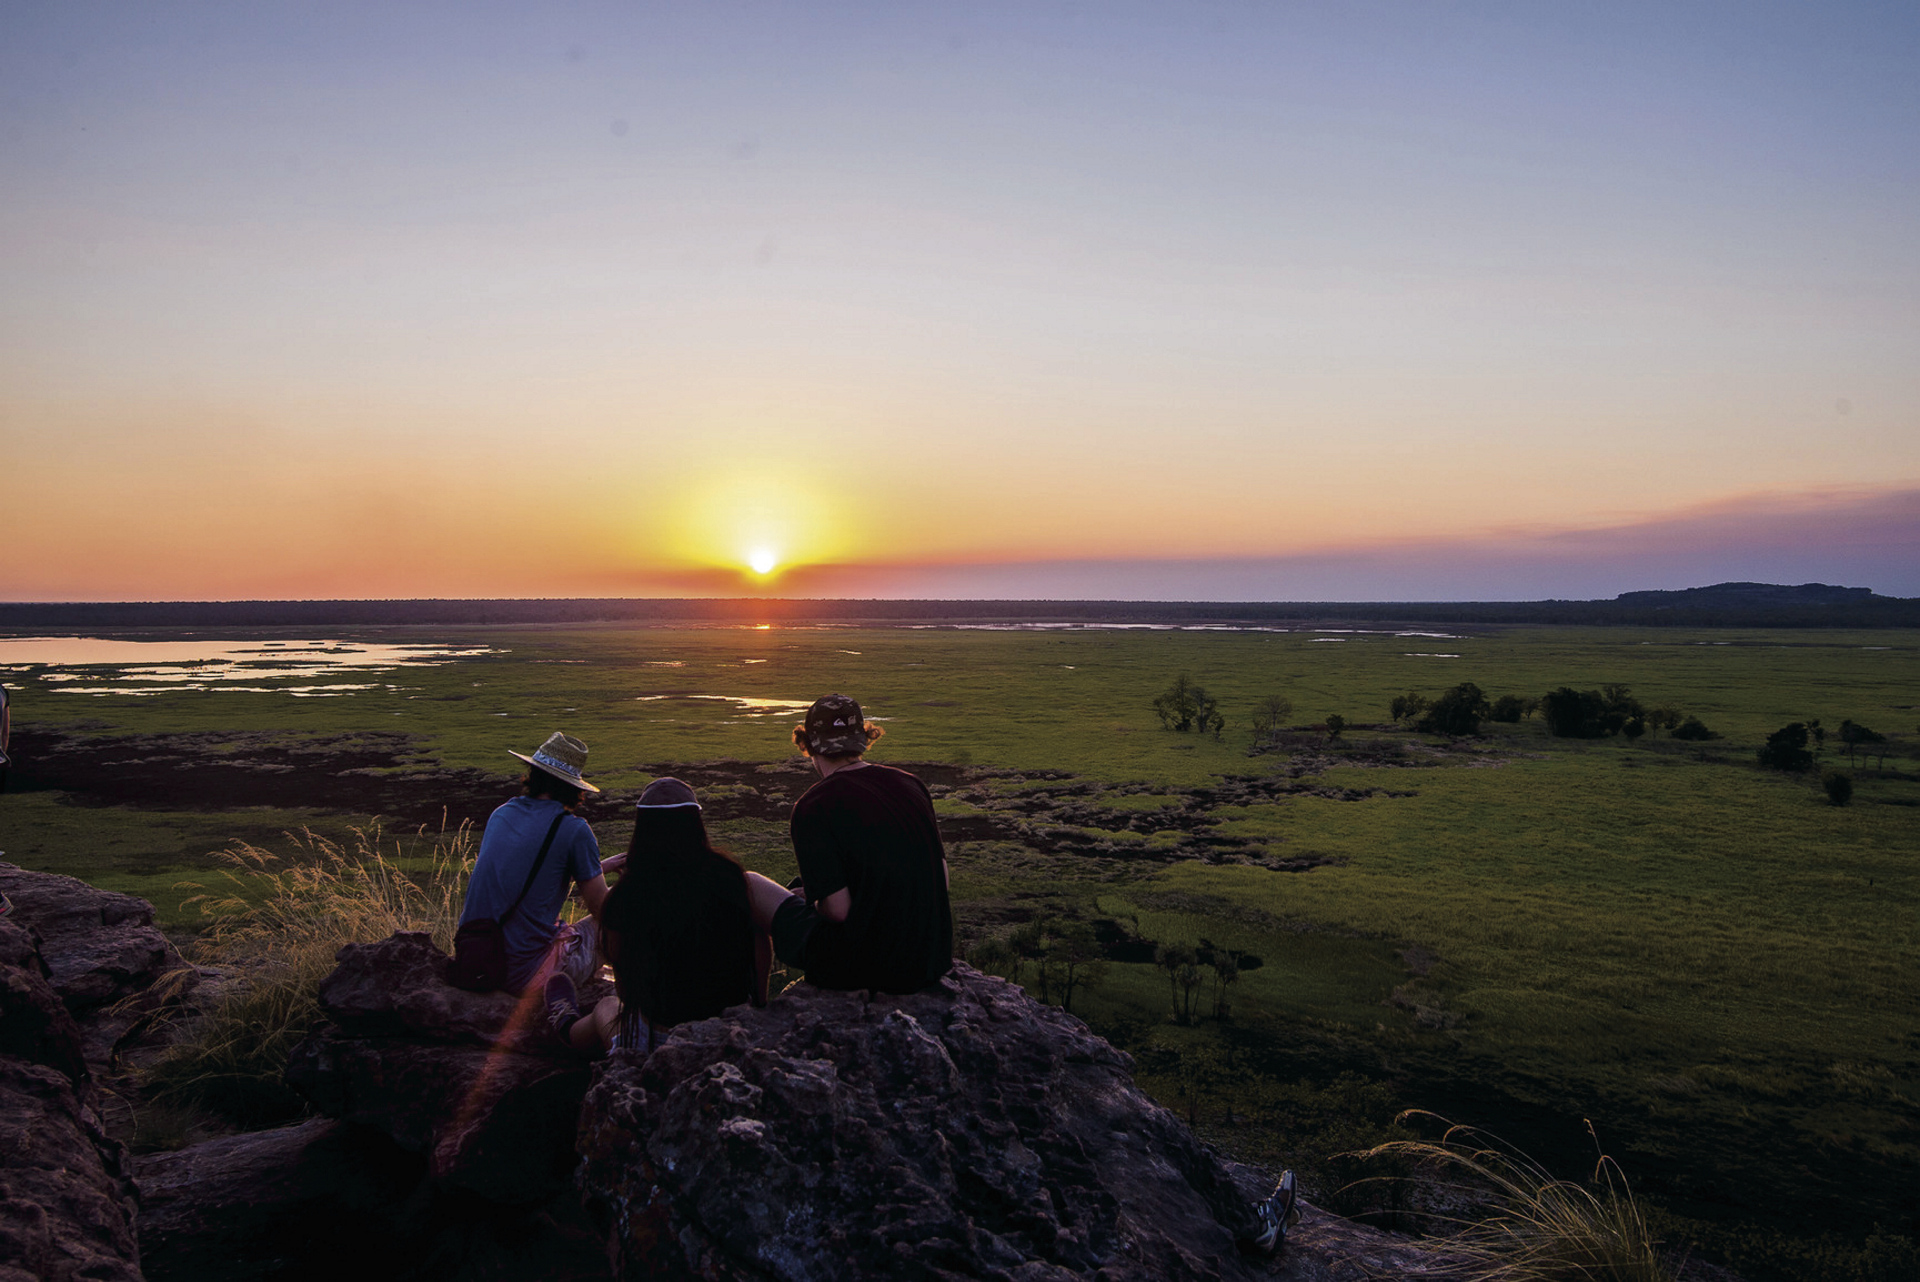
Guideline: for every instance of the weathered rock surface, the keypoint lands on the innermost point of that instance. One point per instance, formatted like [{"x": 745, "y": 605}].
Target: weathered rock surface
[
  {"x": 99, "y": 946},
  {"x": 466, "y": 1079},
  {"x": 326, "y": 1200},
  {"x": 67, "y": 1199},
  {"x": 102, "y": 954},
  {"x": 967, "y": 1131}
]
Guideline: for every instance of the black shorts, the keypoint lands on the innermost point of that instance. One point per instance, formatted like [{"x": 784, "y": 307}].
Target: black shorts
[{"x": 793, "y": 925}]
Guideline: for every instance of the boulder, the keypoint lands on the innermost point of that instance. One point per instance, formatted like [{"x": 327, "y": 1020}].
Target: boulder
[
  {"x": 470, "y": 1080},
  {"x": 35, "y": 1025},
  {"x": 966, "y": 1131},
  {"x": 67, "y": 1199},
  {"x": 99, "y": 946}
]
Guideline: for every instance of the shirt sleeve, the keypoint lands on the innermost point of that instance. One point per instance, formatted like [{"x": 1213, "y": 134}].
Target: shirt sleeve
[
  {"x": 818, "y": 849},
  {"x": 583, "y": 853}
]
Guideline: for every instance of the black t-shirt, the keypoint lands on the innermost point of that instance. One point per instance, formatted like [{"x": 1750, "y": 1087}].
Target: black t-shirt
[
  {"x": 870, "y": 830},
  {"x": 684, "y": 948}
]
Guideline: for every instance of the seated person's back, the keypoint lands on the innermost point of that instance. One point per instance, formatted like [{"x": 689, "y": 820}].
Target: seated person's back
[
  {"x": 677, "y": 927},
  {"x": 871, "y": 858}
]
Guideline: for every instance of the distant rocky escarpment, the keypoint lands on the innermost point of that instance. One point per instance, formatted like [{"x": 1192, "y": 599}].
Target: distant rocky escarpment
[{"x": 1749, "y": 596}]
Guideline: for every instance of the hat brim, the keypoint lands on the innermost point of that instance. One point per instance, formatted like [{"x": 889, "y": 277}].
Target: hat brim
[{"x": 558, "y": 772}]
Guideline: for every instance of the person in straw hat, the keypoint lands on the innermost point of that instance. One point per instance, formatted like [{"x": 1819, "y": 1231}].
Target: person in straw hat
[{"x": 511, "y": 867}]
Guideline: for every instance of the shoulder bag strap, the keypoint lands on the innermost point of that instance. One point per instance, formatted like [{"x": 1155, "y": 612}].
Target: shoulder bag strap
[{"x": 539, "y": 859}]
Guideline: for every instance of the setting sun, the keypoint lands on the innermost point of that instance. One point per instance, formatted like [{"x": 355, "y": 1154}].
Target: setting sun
[{"x": 762, "y": 561}]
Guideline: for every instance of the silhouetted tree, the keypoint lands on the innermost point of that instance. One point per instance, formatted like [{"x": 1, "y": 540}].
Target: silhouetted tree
[
  {"x": 1176, "y": 959},
  {"x": 1854, "y": 735},
  {"x": 1787, "y": 748},
  {"x": 1457, "y": 712},
  {"x": 1185, "y": 705},
  {"x": 1269, "y": 719},
  {"x": 1508, "y": 708},
  {"x": 1839, "y": 787},
  {"x": 1693, "y": 729},
  {"x": 1076, "y": 952},
  {"x": 1408, "y": 706},
  {"x": 1634, "y": 729},
  {"x": 1336, "y": 725}
]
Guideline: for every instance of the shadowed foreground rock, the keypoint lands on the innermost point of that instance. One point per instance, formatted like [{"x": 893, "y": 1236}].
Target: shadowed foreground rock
[
  {"x": 967, "y": 1131},
  {"x": 67, "y": 1198},
  {"x": 464, "y": 1078}
]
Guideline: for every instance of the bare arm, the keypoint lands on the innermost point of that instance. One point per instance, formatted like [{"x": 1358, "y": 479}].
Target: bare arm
[
  {"x": 836, "y": 906},
  {"x": 593, "y": 894}
]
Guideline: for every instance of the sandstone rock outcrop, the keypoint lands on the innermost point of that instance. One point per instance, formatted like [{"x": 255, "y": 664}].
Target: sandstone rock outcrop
[
  {"x": 103, "y": 955},
  {"x": 966, "y": 1131},
  {"x": 67, "y": 1198},
  {"x": 466, "y": 1079}
]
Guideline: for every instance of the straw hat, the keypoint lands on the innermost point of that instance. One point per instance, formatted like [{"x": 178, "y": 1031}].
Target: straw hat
[{"x": 562, "y": 756}]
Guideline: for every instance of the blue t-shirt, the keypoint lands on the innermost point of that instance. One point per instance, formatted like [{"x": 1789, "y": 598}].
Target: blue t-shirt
[{"x": 507, "y": 851}]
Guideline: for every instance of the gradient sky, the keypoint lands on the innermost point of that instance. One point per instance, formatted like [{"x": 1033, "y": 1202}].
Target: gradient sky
[{"x": 1242, "y": 301}]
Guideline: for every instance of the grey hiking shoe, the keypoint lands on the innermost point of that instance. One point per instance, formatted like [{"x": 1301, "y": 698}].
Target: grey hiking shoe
[
  {"x": 1276, "y": 1214},
  {"x": 563, "y": 1008}
]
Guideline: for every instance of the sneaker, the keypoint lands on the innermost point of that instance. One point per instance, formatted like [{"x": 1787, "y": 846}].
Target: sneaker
[
  {"x": 563, "y": 1007},
  {"x": 1276, "y": 1214}
]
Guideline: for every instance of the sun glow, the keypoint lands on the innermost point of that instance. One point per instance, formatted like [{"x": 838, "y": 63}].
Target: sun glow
[{"x": 762, "y": 561}]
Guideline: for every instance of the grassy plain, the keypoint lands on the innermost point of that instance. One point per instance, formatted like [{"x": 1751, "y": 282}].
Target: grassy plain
[{"x": 1709, "y": 961}]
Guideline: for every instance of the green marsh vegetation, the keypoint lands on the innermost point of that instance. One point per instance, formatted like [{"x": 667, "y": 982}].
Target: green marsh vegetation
[{"x": 1521, "y": 930}]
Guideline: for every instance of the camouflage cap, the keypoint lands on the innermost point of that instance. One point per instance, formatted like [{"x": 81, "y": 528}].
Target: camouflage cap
[{"x": 835, "y": 726}]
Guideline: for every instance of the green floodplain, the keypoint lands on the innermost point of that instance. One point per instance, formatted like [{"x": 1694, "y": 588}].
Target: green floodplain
[{"x": 1703, "y": 958}]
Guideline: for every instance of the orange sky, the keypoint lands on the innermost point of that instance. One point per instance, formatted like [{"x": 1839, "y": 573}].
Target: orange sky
[{"x": 357, "y": 302}]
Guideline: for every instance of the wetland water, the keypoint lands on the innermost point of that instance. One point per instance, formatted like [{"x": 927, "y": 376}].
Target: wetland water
[{"x": 115, "y": 666}]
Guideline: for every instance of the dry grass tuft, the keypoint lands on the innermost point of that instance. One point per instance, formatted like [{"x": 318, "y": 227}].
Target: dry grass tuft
[
  {"x": 275, "y": 926},
  {"x": 1536, "y": 1228}
]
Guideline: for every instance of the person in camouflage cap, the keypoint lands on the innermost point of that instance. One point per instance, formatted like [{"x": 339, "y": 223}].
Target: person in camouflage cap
[{"x": 870, "y": 909}]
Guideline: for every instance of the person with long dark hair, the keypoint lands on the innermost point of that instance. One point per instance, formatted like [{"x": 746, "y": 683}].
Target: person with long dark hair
[{"x": 677, "y": 929}]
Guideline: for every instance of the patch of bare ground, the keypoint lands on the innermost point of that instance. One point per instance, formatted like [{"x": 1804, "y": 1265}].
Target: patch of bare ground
[{"x": 361, "y": 773}]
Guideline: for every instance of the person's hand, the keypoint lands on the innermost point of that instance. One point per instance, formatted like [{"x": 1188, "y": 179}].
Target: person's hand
[{"x": 613, "y": 863}]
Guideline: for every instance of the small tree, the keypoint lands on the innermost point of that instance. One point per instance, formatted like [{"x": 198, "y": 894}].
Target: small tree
[
  {"x": 1269, "y": 719},
  {"x": 1226, "y": 973},
  {"x": 1185, "y": 705},
  {"x": 1457, "y": 712},
  {"x": 1508, "y": 709},
  {"x": 1693, "y": 729},
  {"x": 1634, "y": 729},
  {"x": 1336, "y": 725},
  {"x": 1408, "y": 706},
  {"x": 1787, "y": 748},
  {"x": 1853, "y": 734},
  {"x": 1663, "y": 717},
  {"x": 1839, "y": 787},
  {"x": 1081, "y": 963},
  {"x": 1175, "y": 959}
]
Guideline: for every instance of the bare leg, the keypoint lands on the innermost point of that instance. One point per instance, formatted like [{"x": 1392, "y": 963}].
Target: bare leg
[
  {"x": 592, "y": 1034},
  {"x": 764, "y": 896}
]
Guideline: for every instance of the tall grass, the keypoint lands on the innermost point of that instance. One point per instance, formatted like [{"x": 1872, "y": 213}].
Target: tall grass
[
  {"x": 274, "y": 927},
  {"x": 1528, "y": 1226}
]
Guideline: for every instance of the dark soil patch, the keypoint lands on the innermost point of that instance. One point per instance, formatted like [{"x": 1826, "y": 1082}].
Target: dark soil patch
[
  {"x": 362, "y": 774},
  {"x": 1048, "y": 811}
]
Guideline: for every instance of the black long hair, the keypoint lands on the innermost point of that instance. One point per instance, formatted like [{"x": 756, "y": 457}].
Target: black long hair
[{"x": 679, "y": 925}]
